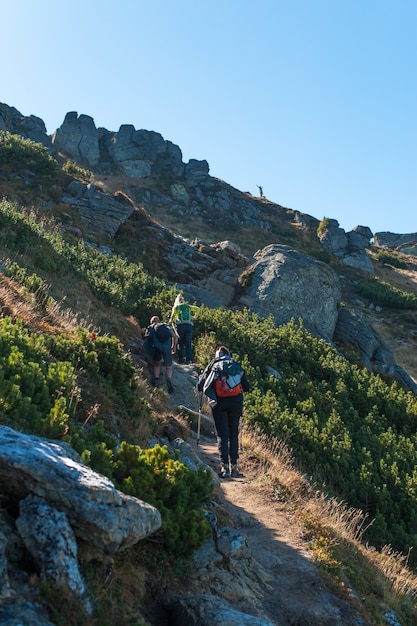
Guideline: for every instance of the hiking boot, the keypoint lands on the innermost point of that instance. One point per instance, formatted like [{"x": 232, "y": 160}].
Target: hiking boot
[
  {"x": 224, "y": 471},
  {"x": 234, "y": 472},
  {"x": 155, "y": 382},
  {"x": 170, "y": 387}
]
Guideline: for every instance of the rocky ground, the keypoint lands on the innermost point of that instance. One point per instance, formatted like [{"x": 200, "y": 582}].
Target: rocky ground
[{"x": 294, "y": 592}]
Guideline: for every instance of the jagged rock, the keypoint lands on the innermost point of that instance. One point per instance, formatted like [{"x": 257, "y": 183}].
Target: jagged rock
[
  {"x": 30, "y": 127},
  {"x": 99, "y": 211},
  {"x": 393, "y": 240},
  {"x": 209, "y": 610},
  {"x": 359, "y": 260},
  {"x": 196, "y": 171},
  {"x": 192, "y": 293},
  {"x": 5, "y": 589},
  {"x": 23, "y": 614},
  {"x": 353, "y": 328},
  {"x": 288, "y": 284},
  {"x": 359, "y": 238},
  {"x": 97, "y": 512},
  {"x": 78, "y": 139},
  {"x": 50, "y": 540},
  {"x": 334, "y": 239},
  {"x": 350, "y": 246}
]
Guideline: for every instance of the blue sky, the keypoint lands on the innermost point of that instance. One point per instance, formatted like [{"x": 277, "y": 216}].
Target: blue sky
[{"x": 315, "y": 100}]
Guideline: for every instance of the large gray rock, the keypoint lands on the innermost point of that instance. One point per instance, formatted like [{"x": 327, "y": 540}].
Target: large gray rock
[
  {"x": 352, "y": 328},
  {"x": 78, "y": 139},
  {"x": 209, "y": 610},
  {"x": 96, "y": 510},
  {"x": 50, "y": 540},
  {"x": 393, "y": 240},
  {"x": 28, "y": 126},
  {"x": 98, "y": 211},
  {"x": 288, "y": 284}
]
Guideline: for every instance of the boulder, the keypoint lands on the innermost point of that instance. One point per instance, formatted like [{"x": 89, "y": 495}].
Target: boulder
[
  {"x": 78, "y": 139},
  {"x": 334, "y": 239},
  {"x": 354, "y": 329},
  {"x": 99, "y": 211},
  {"x": 29, "y": 127},
  {"x": 51, "y": 542},
  {"x": 394, "y": 240},
  {"x": 288, "y": 284},
  {"x": 209, "y": 610},
  {"x": 97, "y": 512}
]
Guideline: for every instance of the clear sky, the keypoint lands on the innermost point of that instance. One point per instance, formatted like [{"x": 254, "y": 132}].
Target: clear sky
[{"x": 314, "y": 100}]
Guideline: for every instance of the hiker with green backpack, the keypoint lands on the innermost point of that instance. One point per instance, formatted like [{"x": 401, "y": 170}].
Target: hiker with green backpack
[
  {"x": 223, "y": 382},
  {"x": 182, "y": 316}
]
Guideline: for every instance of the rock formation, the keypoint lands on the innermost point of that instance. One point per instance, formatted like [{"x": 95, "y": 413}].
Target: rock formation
[
  {"x": 61, "y": 504},
  {"x": 288, "y": 284}
]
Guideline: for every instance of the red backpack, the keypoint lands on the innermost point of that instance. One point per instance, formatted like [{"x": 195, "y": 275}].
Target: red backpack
[{"x": 223, "y": 390}]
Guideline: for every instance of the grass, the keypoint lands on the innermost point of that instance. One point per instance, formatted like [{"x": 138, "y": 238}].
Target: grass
[{"x": 375, "y": 582}]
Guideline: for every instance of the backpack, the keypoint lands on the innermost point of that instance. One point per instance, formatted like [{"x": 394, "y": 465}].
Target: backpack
[
  {"x": 223, "y": 390},
  {"x": 229, "y": 376},
  {"x": 162, "y": 333},
  {"x": 184, "y": 312}
]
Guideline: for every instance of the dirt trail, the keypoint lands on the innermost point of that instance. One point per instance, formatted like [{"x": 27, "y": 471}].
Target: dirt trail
[{"x": 297, "y": 594}]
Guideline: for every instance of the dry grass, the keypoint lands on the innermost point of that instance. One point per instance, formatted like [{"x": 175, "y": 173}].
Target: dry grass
[{"x": 382, "y": 579}]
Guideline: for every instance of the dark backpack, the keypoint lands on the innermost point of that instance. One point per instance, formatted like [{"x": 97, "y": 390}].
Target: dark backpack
[{"x": 162, "y": 334}]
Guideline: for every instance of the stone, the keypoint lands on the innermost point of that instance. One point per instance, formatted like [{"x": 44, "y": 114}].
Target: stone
[
  {"x": 95, "y": 509},
  {"x": 50, "y": 540},
  {"x": 288, "y": 284}
]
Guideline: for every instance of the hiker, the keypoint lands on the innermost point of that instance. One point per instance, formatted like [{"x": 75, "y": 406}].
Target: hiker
[
  {"x": 182, "y": 315},
  {"x": 160, "y": 344},
  {"x": 223, "y": 382},
  {"x": 261, "y": 191}
]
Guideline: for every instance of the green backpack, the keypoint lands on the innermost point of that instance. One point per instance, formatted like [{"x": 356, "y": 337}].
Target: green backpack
[{"x": 184, "y": 312}]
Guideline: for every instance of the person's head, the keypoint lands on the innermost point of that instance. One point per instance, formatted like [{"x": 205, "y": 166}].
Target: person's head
[
  {"x": 154, "y": 319},
  {"x": 179, "y": 299},
  {"x": 222, "y": 351}
]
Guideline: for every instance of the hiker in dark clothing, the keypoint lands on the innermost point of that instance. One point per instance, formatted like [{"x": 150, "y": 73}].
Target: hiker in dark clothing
[
  {"x": 160, "y": 344},
  {"x": 224, "y": 381}
]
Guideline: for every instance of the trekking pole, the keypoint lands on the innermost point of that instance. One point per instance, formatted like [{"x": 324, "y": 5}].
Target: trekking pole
[{"x": 199, "y": 418}]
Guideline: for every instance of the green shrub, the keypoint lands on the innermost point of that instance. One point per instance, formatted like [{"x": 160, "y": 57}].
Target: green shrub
[
  {"x": 391, "y": 258},
  {"x": 384, "y": 294},
  {"x": 347, "y": 427},
  {"x": 35, "y": 391},
  {"x": 18, "y": 154},
  {"x": 323, "y": 226},
  {"x": 74, "y": 170},
  {"x": 177, "y": 491}
]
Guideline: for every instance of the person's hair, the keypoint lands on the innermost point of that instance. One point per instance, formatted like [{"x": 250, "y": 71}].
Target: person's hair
[
  {"x": 154, "y": 319},
  {"x": 222, "y": 351},
  {"x": 179, "y": 299}
]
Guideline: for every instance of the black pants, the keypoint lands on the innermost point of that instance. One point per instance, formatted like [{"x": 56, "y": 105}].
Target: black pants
[
  {"x": 226, "y": 415},
  {"x": 185, "y": 337}
]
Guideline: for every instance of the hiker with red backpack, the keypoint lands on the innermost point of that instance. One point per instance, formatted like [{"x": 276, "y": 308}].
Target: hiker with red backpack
[
  {"x": 160, "y": 344},
  {"x": 182, "y": 316},
  {"x": 223, "y": 382}
]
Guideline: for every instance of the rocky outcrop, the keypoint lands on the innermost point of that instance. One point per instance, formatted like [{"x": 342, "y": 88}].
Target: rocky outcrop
[
  {"x": 352, "y": 328},
  {"x": 351, "y": 246},
  {"x": 97, "y": 512},
  {"x": 29, "y": 127},
  {"x": 393, "y": 241},
  {"x": 100, "y": 212},
  {"x": 61, "y": 505},
  {"x": 288, "y": 284}
]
